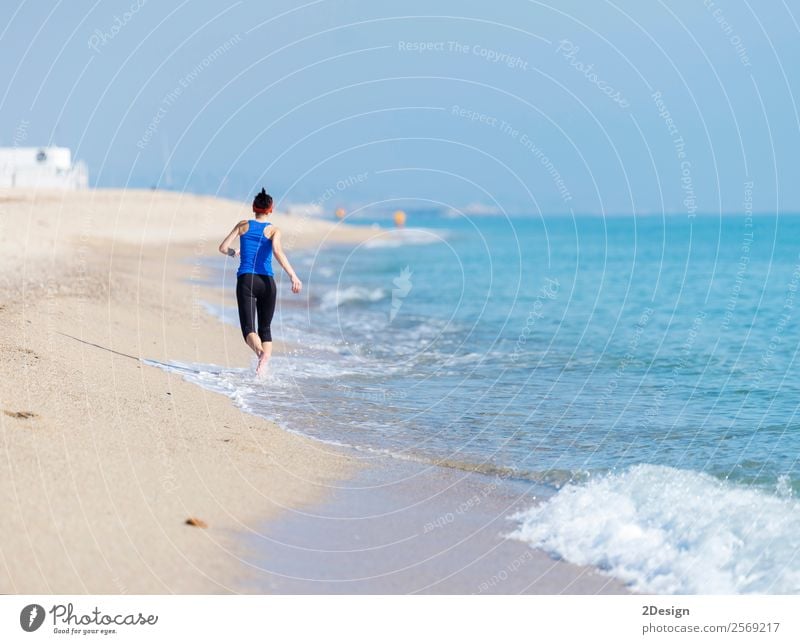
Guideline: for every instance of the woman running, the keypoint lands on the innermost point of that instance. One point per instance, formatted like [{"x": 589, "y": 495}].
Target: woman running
[{"x": 255, "y": 284}]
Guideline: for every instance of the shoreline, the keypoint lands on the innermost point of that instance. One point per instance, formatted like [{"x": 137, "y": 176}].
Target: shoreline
[
  {"x": 99, "y": 481},
  {"x": 408, "y": 528},
  {"x": 432, "y": 494}
]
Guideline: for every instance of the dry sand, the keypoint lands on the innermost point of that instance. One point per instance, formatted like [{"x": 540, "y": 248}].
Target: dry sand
[{"x": 104, "y": 459}]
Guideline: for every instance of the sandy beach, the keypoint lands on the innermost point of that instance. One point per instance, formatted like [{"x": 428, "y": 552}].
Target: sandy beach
[{"x": 105, "y": 458}]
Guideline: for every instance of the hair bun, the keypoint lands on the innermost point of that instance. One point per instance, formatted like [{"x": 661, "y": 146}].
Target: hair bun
[{"x": 262, "y": 200}]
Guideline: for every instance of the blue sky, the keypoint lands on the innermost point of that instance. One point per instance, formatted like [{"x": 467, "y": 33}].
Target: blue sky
[{"x": 517, "y": 106}]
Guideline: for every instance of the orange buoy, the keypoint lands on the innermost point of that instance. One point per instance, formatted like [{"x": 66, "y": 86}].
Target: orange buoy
[
  {"x": 340, "y": 213},
  {"x": 399, "y": 218}
]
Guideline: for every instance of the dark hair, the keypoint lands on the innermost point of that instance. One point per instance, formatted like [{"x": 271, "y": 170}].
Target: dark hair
[{"x": 262, "y": 201}]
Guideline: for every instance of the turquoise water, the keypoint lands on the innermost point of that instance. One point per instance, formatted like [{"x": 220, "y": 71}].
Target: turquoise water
[
  {"x": 563, "y": 346},
  {"x": 637, "y": 366}
]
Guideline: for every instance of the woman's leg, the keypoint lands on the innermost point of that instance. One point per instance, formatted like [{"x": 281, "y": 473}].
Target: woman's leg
[
  {"x": 254, "y": 342},
  {"x": 247, "y": 302},
  {"x": 265, "y": 304}
]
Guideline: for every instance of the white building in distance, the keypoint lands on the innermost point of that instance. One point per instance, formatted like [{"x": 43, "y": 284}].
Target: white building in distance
[{"x": 46, "y": 167}]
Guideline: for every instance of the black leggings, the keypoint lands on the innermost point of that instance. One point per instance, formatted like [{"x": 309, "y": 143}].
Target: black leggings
[{"x": 255, "y": 294}]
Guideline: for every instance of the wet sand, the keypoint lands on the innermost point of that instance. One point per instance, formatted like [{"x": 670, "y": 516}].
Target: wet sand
[{"x": 404, "y": 527}]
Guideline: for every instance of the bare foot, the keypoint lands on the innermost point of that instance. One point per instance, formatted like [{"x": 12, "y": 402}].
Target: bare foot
[{"x": 263, "y": 359}]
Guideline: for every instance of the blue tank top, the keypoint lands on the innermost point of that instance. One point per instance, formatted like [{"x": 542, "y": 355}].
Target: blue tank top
[{"x": 255, "y": 250}]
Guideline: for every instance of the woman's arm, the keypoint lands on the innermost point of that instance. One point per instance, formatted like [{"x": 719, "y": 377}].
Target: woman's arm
[
  {"x": 224, "y": 247},
  {"x": 277, "y": 250}
]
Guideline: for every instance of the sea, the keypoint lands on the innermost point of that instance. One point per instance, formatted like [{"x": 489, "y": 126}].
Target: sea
[{"x": 639, "y": 369}]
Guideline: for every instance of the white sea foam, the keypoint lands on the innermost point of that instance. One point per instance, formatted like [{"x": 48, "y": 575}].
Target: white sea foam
[
  {"x": 283, "y": 372},
  {"x": 334, "y": 299},
  {"x": 665, "y": 530}
]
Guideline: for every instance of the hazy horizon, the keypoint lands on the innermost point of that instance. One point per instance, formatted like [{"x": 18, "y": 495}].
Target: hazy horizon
[{"x": 519, "y": 108}]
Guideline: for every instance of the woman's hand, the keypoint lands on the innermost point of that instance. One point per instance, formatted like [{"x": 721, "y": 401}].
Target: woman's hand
[
  {"x": 297, "y": 285},
  {"x": 277, "y": 249}
]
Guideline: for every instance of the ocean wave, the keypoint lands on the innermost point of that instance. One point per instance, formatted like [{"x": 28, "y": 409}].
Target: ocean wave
[
  {"x": 664, "y": 530},
  {"x": 334, "y": 299}
]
